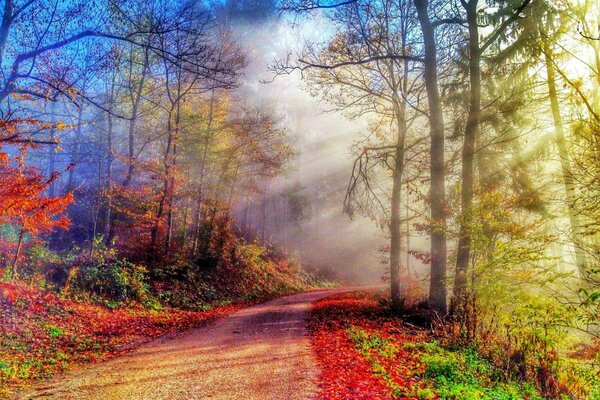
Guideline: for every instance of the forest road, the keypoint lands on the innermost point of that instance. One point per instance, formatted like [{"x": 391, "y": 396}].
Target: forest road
[{"x": 261, "y": 352}]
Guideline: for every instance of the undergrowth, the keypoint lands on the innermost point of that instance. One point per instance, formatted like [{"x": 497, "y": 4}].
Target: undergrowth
[
  {"x": 81, "y": 307},
  {"x": 464, "y": 374},
  {"x": 368, "y": 352}
]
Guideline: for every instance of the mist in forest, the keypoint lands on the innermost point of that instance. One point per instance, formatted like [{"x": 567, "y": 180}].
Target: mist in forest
[
  {"x": 318, "y": 231},
  {"x": 161, "y": 156}
]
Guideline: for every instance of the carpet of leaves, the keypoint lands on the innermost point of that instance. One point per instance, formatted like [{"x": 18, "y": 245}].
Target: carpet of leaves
[
  {"x": 41, "y": 334},
  {"x": 345, "y": 372}
]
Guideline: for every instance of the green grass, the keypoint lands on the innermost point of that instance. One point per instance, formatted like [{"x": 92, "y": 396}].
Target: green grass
[
  {"x": 366, "y": 342},
  {"x": 463, "y": 374},
  {"x": 54, "y": 331},
  {"x": 372, "y": 346}
]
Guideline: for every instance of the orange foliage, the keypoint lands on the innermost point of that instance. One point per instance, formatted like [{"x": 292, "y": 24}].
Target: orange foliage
[{"x": 21, "y": 198}]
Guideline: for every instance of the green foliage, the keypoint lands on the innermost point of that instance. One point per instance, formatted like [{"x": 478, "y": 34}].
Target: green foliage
[
  {"x": 581, "y": 378},
  {"x": 118, "y": 280},
  {"x": 464, "y": 374},
  {"x": 425, "y": 394},
  {"x": 587, "y": 308},
  {"x": 366, "y": 342},
  {"x": 370, "y": 346},
  {"x": 518, "y": 306},
  {"x": 114, "y": 281},
  {"x": 54, "y": 331},
  {"x": 41, "y": 254}
]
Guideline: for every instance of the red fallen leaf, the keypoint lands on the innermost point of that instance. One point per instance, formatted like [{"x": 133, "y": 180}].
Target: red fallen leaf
[
  {"x": 45, "y": 325},
  {"x": 345, "y": 373}
]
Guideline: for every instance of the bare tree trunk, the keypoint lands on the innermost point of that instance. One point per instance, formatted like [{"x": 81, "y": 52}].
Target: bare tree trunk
[
  {"x": 263, "y": 213},
  {"x": 7, "y": 19},
  {"x": 52, "y": 166},
  {"x": 407, "y": 229},
  {"x": 570, "y": 190},
  {"x": 171, "y": 198},
  {"x": 136, "y": 98},
  {"x": 245, "y": 219},
  {"x": 162, "y": 205},
  {"x": 207, "y": 142},
  {"x": 233, "y": 182},
  {"x": 109, "y": 217},
  {"x": 108, "y": 232},
  {"x": 76, "y": 149},
  {"x": 395, "y": 222},
  {"x": 437, "y": 289},
  {"x": 15, "y": 262},
  {"x": 468, "y": 151},
  {"x": 395, "y": 234}
]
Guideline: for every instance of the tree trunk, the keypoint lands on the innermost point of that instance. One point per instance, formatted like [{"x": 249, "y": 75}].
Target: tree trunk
[
  {"x": 76, "y": 149},
  {"x": 437, "y": 289},
  {"x": 468, "y": 152},
  {"x": 135, "y": 105},
  {"x": 171, "y": 198},
  {"x": 395, "y": 234},
  {"x": 15, "y": 262},
  {"x": 136, "y": 97},
  {"x": 407, "y": 254},
  {"x": 207, "y": 142},
  {"x": 245, "y": 221},
  {"x": 7, "y": 19},
  {"x": 109, "y": 151},
  {"x": 570, "y": 190},
  {"x": 52, "y": 156},
  {"x": 109, "y": 217},
  {"x": 162, "y": 204},
  {"x": 233, "y": 182},
  {"x": 399, "y": 107}
]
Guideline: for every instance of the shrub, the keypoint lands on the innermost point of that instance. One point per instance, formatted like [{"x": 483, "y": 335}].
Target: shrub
[{"x": 114, "y": 280}]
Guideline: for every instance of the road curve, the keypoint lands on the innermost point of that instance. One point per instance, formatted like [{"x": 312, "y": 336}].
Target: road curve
[{"x": 261, "y": 352}]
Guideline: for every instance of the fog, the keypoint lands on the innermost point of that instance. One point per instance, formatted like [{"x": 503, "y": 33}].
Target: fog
[{"x": 323, "y": 139}]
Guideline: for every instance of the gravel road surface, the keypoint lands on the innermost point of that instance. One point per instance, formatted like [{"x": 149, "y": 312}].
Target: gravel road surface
[{"x": 261, "y": 352}]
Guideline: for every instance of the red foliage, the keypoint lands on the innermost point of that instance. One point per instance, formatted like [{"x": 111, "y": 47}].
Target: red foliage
[
  {"x": 21, "y": 198},
  {"x": 346, "y": 373},
  {"x": 41, "y": 334}
]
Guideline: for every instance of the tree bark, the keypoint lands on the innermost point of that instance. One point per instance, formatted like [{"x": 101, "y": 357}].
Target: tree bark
[
  {"x": 136, "y": 98},
  {"x": 17, "y": 254},
  {"x": 468, "y": 152},
  {"x": 395, "y": 229},
  {"x": 561, "y": 144},
  {"x": 437, "y": 289},
  {"x": 52, "y": 156},
  {"x": 203, "y": 161},
  {"x": 171, "y": 198},
  {"x": 7, "y": 19},
  {"x": 76, "y": 149},
  {"x": 109, "y": 213},
  {"x": 163, "y": 202},
  {"x": 108, "y": 232}
]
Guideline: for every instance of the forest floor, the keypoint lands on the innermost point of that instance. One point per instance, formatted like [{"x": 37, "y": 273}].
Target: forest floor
[
  {"x": 259, "y": 352},
  {"x": 334, "y": 344},
  {"x": 42, "y": 334},
  {"x": 366, "y": 352}
]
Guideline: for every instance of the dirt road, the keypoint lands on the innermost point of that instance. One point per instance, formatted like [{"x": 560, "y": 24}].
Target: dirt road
[{"x": 261, "y": 352}]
